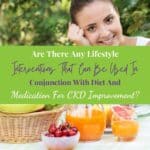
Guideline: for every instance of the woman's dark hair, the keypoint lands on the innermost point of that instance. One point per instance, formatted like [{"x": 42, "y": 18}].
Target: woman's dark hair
[{"x": 77, "y": 5}]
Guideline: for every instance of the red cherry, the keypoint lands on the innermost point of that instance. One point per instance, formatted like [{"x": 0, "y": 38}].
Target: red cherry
[
  {"x": 71, "y": 133},
  {"x": 65, "y": 132},
  {"x": 61, "y": 127},
  {"x": 49, "y": 135},
  {"x": 58, "y": 133},
  {"x": 52, "y": 128},
  {"x": 74, "y": 129},
  {"x": 64, "y": 126}
]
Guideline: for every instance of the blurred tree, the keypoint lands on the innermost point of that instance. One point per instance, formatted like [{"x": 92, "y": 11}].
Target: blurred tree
[
  {"x": 135, "y": 16},
  {"x": 33, "y": 22},
  {"x": 45, "y": 22}
]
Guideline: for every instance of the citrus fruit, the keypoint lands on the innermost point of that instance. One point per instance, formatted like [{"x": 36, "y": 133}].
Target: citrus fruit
[
  {"x": 122, "y": 112},
  {"x": 124, "y": 127}
]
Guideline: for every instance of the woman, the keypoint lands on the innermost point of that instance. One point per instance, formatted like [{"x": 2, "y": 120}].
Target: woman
[{"x": 97, "y": 22}]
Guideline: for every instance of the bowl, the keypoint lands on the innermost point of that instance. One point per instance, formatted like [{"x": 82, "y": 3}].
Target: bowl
[{"x": 60, "y": 143}]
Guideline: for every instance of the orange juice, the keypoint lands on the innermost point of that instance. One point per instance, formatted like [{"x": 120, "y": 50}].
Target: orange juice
[
  {"x": 108, "y": 113},
  {"x": 125, "y": 129},
  {"x": 124, "y": 125},
  {"x": 90, "y": 122}
]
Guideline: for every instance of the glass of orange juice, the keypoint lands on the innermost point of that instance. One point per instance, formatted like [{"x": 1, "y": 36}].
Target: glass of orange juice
[
  {"x": 124, "y": 125},
  {"x": 89, "y": 119}
]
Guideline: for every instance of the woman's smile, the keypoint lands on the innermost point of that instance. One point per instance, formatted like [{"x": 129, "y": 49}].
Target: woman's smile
[{"x": 107, "y": 40}]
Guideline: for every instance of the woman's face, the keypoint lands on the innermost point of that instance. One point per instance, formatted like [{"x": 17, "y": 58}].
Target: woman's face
[{"x": 101, "y": 23}]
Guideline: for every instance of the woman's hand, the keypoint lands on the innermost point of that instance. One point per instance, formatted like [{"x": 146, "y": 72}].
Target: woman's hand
[{"x": 76, "y": 35}]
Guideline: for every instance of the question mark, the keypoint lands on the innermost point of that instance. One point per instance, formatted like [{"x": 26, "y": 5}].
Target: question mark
[{"x": 136, "y": 94}]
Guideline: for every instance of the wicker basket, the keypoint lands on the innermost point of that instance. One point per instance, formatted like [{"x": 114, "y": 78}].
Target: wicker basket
[{"x": 26, "y": 128}]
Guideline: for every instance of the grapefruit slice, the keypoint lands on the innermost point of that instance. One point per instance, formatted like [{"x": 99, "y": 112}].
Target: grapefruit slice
[{"x": 122, "y": 112}]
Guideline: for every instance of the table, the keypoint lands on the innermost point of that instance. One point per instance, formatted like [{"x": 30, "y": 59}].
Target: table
[{"x": 142, "y": 142}]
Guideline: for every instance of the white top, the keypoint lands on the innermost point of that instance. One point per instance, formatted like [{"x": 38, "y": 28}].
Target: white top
[{"x": 141, "y": 41}]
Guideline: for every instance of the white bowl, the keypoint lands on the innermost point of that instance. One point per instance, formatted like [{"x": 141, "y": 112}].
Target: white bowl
[{"x": 60, "y": 143}]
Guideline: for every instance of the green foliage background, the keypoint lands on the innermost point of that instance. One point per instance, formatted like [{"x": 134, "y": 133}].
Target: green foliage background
[{"x": 45, "y": 22}]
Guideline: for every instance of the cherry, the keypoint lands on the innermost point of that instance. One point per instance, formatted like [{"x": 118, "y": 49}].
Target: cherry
[
  {"x": 74, "y": 129},
  {"x": 49, "y": 135},
  {"x": 71, "y": 132},
  {"x": 62, "y": 127},
  {"x": 58, "y": 133},
  {"x": 65, "y": 132},
  {"x": 52, "y": 128}
]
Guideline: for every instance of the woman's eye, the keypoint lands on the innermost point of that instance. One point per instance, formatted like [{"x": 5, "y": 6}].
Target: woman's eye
[
  {"x": 91, "y": 29},
  {"x": 109, "y": 20}
]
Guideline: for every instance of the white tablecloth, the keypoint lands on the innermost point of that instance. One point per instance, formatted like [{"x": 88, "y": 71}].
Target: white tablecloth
[{"x": 142, "y": 142}]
